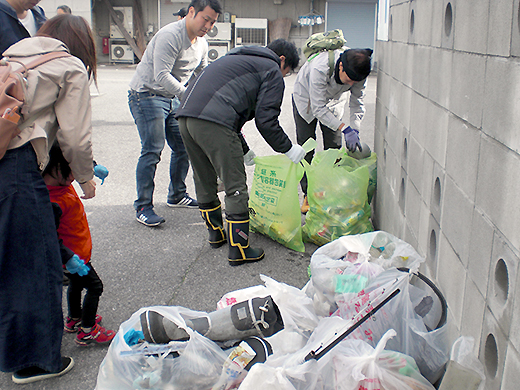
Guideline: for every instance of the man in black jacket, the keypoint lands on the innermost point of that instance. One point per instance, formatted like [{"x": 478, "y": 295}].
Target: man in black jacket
[
  {"x": 247, "y": 83},
  {"x": 19, "y": 19}
]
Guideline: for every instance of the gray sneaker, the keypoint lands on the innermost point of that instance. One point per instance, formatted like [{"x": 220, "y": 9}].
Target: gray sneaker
[{"x": 147, "y": 216}]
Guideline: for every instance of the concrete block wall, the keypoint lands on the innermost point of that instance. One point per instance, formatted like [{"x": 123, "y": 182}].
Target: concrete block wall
[{"x": 449, "y": 162}]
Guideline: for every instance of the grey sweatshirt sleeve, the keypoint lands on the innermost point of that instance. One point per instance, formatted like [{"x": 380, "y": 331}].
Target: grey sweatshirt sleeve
[
  {"x": 357, "y": 105},
  {"x": 318, "y": 78},
  {"x": 167, "y": 49}
]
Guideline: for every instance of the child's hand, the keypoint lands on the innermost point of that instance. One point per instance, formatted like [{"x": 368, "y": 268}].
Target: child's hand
[
  {"x": 76, "y": 265},
  {"x": 89, "y": 189},
  {"x": 101, "y": 172}
]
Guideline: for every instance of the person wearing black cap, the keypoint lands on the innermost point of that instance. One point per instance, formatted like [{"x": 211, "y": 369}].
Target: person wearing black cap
[
  {"x": 319, "y": 96},
  {"x": 181, "y": 13}
]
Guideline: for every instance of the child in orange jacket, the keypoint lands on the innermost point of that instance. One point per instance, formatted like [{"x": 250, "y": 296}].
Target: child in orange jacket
[{"x": 76, "y": 250}]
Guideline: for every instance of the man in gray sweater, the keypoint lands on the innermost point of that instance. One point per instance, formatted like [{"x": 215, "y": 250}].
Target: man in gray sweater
[{"x": 176, "y": 53}]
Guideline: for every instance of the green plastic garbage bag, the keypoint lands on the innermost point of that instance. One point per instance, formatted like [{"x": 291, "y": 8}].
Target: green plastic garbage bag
[
  {"x": 274, "y": 207},
  {"x": 338, "y": 197},
  {"x": 371, "y": 163}
]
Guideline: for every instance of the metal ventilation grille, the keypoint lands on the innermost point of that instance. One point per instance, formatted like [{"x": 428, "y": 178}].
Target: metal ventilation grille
[{"x": 251, "y": 36}]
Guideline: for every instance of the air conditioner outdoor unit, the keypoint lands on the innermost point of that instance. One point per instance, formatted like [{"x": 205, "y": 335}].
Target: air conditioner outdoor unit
[
  {"x": 217, "y": 50},
  {"x": 125, "y": 15},
  {"x": 250, "y": 32},
  {"x": 121, "y": 52},
  {"x": 219, "y": 32}
]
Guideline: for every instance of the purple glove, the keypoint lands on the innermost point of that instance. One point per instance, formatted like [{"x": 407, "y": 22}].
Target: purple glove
[{"x": 351, "y": 139}]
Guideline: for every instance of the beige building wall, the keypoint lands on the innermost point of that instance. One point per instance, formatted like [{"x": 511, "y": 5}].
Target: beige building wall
[
  {"x": 158, "y": 13},
  {"x": 78, "y": 7},
  {"x": 448, "y": 141}
]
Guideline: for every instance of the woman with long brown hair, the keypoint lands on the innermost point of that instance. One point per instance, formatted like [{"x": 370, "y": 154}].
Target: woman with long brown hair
[{"x": 57, "y": 106}]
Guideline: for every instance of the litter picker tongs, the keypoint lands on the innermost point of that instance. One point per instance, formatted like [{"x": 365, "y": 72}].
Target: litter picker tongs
[{"x": 353, "y": 324}]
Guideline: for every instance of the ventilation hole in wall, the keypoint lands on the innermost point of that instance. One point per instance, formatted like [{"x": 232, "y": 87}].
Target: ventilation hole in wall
[
  {"x": 437, "y": 193},
  {"x": 384, "y": 154},
  {"x": 402, "y": 195},
  {"x": 433, "y": 245},
  {"x": 386, "y": 123},
  {"x": 501, "y": 281},
  {"x": 412, "y": 22},
  {"x": 390, "y": 28},
  {"x": 491, "y": 356},
  {"x": 448, "y": 19},
  {"x": 405, "y": 149}
]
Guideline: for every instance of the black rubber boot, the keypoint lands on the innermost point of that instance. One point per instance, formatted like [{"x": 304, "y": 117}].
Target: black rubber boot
[
  {"x": 213, "y": 218},
  {"x": 238, "y": 233},
  {"x": 255, "y": 317}
]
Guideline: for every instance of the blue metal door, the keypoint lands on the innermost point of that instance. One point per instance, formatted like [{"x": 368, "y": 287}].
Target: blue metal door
[{"x": 356, "y": 19}]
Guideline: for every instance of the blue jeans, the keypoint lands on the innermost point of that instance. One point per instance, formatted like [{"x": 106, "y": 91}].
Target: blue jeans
[{"x": 154, "y": 116}]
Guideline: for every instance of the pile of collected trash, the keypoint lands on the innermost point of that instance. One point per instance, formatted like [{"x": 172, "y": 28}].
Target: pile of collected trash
[{"x": 367, "y": 319}]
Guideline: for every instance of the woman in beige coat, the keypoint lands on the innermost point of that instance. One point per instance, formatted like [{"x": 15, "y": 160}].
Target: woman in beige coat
[{"x": 57, "y": 107}]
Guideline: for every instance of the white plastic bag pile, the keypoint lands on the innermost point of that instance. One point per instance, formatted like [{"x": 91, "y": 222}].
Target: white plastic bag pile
[
  {"x": 398, "y": 347},
  {"x": 193, "y": 364}
]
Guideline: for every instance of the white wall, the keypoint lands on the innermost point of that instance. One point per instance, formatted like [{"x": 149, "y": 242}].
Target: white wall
[
  {"x": 78, "y": 7},
  {"x": 449, "y": 165}
]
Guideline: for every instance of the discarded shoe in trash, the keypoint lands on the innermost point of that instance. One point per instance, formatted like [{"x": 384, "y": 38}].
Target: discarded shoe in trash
[{"x": 255, "y": 317}]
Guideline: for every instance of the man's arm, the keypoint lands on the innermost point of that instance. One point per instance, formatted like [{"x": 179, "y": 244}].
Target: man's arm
[
  {"x": 357, "y": 104},
  {"x": 74, "y": 115},
  {"x": 318, "y": 79},
  {"x": 167, "y": 48},
  {"x": 268, "y": 105}
]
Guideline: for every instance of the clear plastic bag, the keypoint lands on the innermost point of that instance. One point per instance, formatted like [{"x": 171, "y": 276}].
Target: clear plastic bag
[
  {"x": 466, "y": 367},
  {"x": 428, "y": 348},
  {"x": 350, "y": 365},
  {"x": 337, "y": 257},
  {"x": 354, "y": 364},
  {"x": 264, "y": 376},
  {"x": 189, "y": 365},
  {"x": 241, "y": 295}
]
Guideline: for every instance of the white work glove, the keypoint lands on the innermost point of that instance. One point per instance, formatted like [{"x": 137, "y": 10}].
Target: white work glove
[
  {"x": 249, "y": 158},
  {"x": 296, "y": 153}
]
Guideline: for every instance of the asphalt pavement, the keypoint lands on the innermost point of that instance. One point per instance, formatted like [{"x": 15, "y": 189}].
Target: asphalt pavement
[{"x": 171, "y": 264}]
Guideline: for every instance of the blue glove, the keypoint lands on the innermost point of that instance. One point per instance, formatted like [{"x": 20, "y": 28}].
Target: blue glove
[
  {"x": 76, "y": 265},
  {"x": 133, "y": 336},
  {"x": 351, "y": 139},
  {"x": 101, "y": 172}
]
